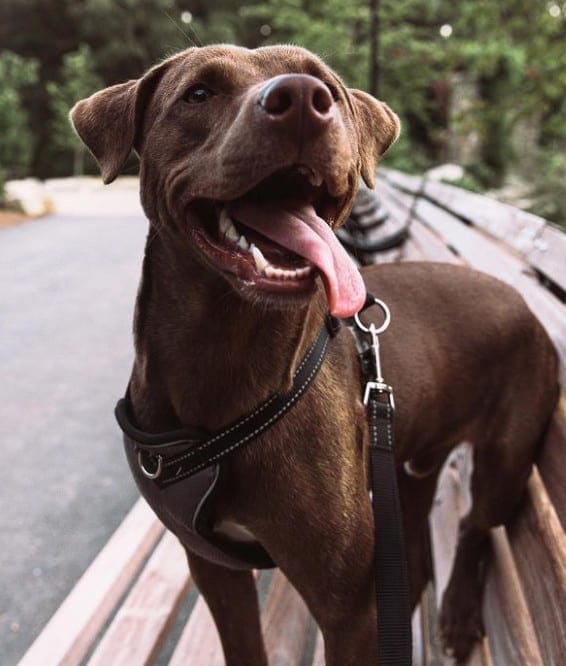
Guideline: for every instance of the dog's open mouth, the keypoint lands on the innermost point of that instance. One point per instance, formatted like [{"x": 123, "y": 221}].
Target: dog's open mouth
[{"x": 277, "y": 238}]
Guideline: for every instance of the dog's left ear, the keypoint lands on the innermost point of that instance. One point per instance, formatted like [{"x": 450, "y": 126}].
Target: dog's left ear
[
  {"x": 110, "y": 121},
  {"x": 377, "y": 126}
]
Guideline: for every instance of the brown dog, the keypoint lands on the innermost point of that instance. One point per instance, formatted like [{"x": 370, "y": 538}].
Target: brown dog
[{"x": 267, "y": 146}]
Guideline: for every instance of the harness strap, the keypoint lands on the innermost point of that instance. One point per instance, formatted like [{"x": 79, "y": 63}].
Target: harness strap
[{"x": 170, "y": 457}]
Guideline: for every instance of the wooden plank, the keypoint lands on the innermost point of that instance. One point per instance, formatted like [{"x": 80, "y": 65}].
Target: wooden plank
[
  {"x": 199, "y": 639},
  {"x": 419, "y": 639},
  {"x": 139, "y": 628},
  {"x": 428, "y": 625},
  {"x": 71, "y": 631},
  {"x": 318, "y": 657},
  {"x": 285, "y": 623},
  {"x": 518, "y": 228},
  {"x": 199, "y": 642},
  {"x": 548, "y": 255},
  {"x": 475, "y": 248},
  {"x": 539, "y": 549},
  {"x": 431, "y": 246},
  {"x": 450, "y": 505},
  {"x": 486, "y": 255},
  {"x": 428, "y": 245},
  {"x": 542, "y": 245},
  {"x": 509, "y": 626},
  {"x": 401, "y": 180}
]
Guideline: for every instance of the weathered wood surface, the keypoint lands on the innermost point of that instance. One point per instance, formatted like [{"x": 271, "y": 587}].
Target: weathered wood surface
[
  {"x": 541, "y": 245},
  {"x": 139, "y": 628},
  {"x": 525, "y": 598}
]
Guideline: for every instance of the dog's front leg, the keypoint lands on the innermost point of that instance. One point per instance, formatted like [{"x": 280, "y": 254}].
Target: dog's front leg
[
  {"x": 232, "y": 598},
  {"x": 326, "y": 552},
  {"x": 342, "y": 598}
]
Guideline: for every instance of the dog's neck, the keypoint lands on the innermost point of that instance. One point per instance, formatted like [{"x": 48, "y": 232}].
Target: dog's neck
[{"x": 204, "y": 355}]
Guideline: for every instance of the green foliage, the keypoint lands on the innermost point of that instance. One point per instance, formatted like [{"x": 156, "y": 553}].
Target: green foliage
[
  {"x": 511, "y": 52},
  {"x": 467, "y": 182},
  {"x": 16, "y": 74},
  {"x": 78, "y": 80},
  {"x": 550, "y": 188},
  {"x": 335, "y": 30},
  {"x": 2, "y": 191}
]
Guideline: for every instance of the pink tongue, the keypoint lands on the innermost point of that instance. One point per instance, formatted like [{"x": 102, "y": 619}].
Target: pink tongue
[{"x": 296, "y": 226}]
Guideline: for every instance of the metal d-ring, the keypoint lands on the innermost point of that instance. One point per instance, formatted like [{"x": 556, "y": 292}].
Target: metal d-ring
[
  {"x": 372, "y": 329},
  {"x": 146, "y": 472}
]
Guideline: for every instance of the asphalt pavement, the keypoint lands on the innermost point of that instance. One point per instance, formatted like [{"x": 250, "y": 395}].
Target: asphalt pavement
[{"x": 67, "y": 291}]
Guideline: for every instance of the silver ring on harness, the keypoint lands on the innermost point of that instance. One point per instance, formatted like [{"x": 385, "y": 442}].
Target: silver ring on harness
[
  {"x": 156, "y": 473},
  {"x": 383, "y": 326}
]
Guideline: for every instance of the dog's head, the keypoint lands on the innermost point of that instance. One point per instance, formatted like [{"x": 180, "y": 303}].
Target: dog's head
[{"x": 253, "y": 154}]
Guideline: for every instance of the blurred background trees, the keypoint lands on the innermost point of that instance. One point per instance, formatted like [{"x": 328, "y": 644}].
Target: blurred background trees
[{"x": 480, "y": 82}]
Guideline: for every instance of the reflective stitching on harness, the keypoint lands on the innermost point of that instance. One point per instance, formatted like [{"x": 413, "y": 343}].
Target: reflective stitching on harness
[
  {"x": 389, "y": 437},
  {"x": 258, "y": 411},
  {"x": 260, "y": 428},
  {"x": 375, "y": 438},
  {"x": 200, "y": 448}
]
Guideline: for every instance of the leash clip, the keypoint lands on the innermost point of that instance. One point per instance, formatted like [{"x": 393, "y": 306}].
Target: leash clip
[{"x": 378, "y": 384}]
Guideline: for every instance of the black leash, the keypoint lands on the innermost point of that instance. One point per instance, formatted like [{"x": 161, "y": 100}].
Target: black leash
[
  {"x": 394, "y": 631},
  {"x": 169, "y": 457}
]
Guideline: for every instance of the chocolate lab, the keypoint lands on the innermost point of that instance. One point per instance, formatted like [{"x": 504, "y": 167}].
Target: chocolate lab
[{"x": 250, "y": 159}]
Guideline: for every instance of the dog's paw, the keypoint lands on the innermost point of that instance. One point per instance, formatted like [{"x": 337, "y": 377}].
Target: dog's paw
[{"x": 461, "y": 627}]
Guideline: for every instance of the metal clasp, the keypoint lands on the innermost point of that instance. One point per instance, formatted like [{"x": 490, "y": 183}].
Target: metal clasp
[
  {"x": 378, "y": 384},
  {"x": 157, "y": 472}
]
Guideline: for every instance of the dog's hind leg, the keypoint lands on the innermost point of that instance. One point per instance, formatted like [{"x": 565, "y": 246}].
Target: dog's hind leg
[
  {"x": 417, "y": 495},
  {"x": 232, "y": 598},
  {"x": 502, "y": 464}
]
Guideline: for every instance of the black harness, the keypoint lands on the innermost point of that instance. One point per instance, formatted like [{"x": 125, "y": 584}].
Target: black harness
[{"x": 167, "y": 458}]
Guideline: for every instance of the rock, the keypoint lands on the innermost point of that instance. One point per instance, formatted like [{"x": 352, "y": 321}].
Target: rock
[{"x": 30, "y": 196}]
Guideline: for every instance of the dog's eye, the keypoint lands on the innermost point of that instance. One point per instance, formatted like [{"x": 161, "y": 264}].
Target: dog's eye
[{"x": 197, "y": 94}]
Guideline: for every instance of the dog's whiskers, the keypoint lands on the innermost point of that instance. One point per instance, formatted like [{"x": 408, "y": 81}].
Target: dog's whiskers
[{"x": 189, "y": 39}]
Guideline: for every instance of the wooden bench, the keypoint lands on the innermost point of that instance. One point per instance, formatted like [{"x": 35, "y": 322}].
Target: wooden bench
[{"x": 136, "y": 603}]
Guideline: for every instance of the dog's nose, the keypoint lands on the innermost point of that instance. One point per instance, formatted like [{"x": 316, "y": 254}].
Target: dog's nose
[{"x": 291, "y": 97}]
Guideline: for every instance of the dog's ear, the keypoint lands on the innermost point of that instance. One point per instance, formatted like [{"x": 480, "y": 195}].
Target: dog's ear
[
  {"x": 377, "y": 126},
  {"x": 110, "y": 121}
]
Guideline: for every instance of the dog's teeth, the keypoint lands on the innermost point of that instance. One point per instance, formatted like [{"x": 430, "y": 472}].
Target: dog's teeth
[
  {"x": 232, "y": 234},
  {"x": 272, "y": 272},
  {"x": 286, "y": 273},
  {"x": 224, "y": 222},
  {"x": 315, "y": 179},
  {"x": 261, "y": 262},
  {"x": 243, "y": 243},
  {"x": 227, "y": 227}
]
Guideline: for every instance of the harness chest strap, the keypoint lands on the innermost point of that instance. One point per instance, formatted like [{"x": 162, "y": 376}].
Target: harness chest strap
[{"x": 172, "y": 456}]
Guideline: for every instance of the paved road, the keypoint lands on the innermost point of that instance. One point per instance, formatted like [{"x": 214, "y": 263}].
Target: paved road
[{"x": 67, "y": 288}]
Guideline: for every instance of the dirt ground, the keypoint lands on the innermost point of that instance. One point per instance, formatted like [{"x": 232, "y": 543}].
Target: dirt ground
[{"x": 9, "y": 218}]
